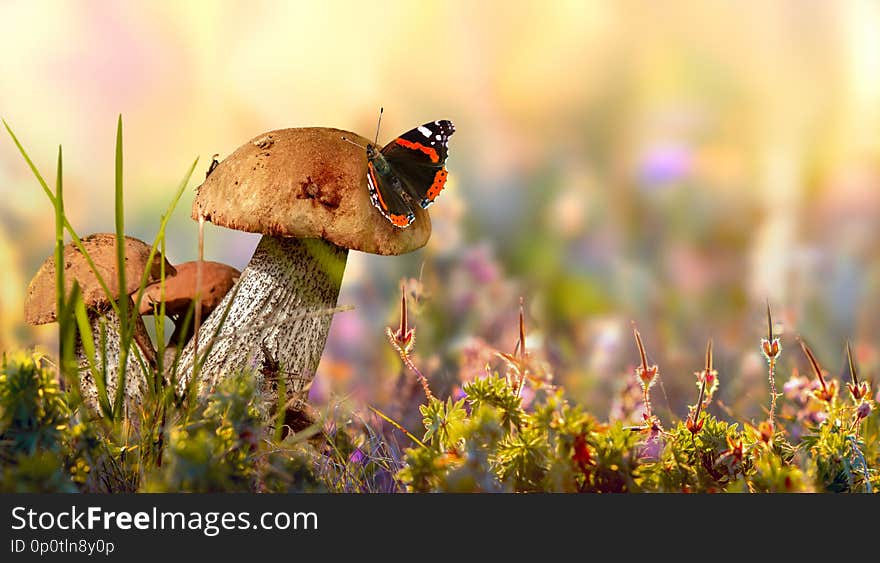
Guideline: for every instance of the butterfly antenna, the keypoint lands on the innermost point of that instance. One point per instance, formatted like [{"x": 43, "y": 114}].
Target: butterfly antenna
[
  {"x": 347, "y": 140},
  {"x": 381, "y": 111}
]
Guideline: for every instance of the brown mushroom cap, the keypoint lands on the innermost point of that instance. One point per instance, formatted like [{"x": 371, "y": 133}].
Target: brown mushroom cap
[
  {"x": 39, "y": 305},
  {"x": 304, "y": 183},
  {"x": 217, "y": 280}
]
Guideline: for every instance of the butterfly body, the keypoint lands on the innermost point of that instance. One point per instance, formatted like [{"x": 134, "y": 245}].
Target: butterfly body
[{"x": 409, "y": 171}]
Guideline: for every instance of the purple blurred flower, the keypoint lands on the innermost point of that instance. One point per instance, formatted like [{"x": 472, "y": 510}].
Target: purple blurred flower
[
  {"x": 795, "y": 386},
  {"x": 664, "y": 163},
  {"x": 817, "y": 417},
  {"x": 349, "y": 327},
  {"x": 480, "y": 264},
  {"x": 652, "y": 447},
  {"x": 357, "y": 456},
  {"x": 458, "y": 393},
  {"x": 319, "y": 393}
]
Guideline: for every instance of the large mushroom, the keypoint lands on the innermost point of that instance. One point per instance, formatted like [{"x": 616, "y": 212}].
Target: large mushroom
[
  {"x": 305, "y": 191},
  {"x": 180, "y": 294},
  {"x": 40, "y": 308}
]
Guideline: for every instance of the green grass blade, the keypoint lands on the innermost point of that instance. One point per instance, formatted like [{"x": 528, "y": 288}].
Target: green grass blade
[
  {"x": 160, "y": 323},
  {"x": 75, "y": 237},
  {"x": 67, "y": 341},
  {"x": 102, "y": 373},
  {"x": 184, "y": 327},
  {"x": 88, "y": 344},
  {"x": 395, "y": 424},
  {"x": 59, "y": 256},
  {"x": 124, "y": 323},
  {"x": 160, "y": 236}
]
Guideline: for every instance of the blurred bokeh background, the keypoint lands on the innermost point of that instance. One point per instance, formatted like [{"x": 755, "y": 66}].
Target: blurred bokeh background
[{"x": 674, "y": 165}]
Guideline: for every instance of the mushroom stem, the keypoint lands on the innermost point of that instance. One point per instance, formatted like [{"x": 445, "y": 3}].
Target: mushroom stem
[
  {"x": 285, "y": 277},
  {"x": 105, "y": 328}
]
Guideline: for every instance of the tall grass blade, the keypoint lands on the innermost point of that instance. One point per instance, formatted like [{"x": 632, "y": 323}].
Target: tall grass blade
[
  {"x": 88, "y": 344},
  {"x": 75, "y": 237},
  {"x": 397, "y": 425},
  {"x": 124, "y": 321},
  {"x": 59, "y": 258},
  {"x": 160, "y": 236}
]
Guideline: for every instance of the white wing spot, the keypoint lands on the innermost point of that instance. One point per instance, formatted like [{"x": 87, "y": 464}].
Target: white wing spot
[
  {"x": 439, "y": 137},
  {"x": 424, "y": 131}
]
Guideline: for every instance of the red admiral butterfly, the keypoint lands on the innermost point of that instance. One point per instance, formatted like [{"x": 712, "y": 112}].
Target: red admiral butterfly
[{"x": 408, "y": 171}]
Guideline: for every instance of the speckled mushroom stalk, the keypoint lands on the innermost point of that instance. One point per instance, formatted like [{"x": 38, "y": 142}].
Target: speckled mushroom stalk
[
  {"x": 284, "y": 279},
  {"x": 106, "y": 327},
  {"x": 39, "y": 308},
  {"x": 305, "y": 191}
]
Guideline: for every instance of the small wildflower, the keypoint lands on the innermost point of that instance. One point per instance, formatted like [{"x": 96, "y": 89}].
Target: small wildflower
[
  {"x": 647, "y": 375},
  {"x": 765, "y": 431},
  {"x": 706, "y": 379},
  {"x": 771, "y": 348},
  {"x": 770, "y": 345},
  {"x": 864, "y": 409},
  {"x": 694, "y": 427},
  {"x": 404, "y": 337},
  {"x": 403, "y": 340},
  {"x": 732, "y": 457},
  {"x": 828, "y": 389},
  {"x": 711, "y": 379},
  {"x": 581, "y": 454},
  {"x": 857, "y": 389}
]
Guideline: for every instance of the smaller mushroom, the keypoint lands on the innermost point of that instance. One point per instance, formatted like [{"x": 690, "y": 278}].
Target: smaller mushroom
[
  {"x": 180, "y": 294},
  {"x": 40, "y": 308}
]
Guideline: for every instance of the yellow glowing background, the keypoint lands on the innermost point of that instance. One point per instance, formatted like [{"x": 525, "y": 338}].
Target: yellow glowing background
[{"x": 673, "y": 164}]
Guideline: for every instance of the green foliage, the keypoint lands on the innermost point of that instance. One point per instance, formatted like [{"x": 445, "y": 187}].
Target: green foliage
[
  {"x": 498, "y": 445},
  {"x": 496, "y": 392},
  {"x": 836, "y": 457},
  {"x": 33, "y": 413},
  {"x": 47, "y": 446},
  {"x": 443, "y": 422}
]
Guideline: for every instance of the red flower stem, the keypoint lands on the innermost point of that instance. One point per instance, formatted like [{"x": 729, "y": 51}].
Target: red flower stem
[
  {"x": 771, "y": 373},
  {"x": 522, "y": 349},
  {"x": 422, "y": 379}
]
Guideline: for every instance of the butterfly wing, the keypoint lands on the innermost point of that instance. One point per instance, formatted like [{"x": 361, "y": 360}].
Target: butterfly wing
[
  {"x": 418, "y": 158},
  {"x": 385, "y": 193}
]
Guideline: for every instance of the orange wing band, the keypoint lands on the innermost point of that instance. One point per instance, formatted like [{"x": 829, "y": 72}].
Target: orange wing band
[
  {"x": 438, "y": 185},
  {"x": 419, "y": 147}
]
